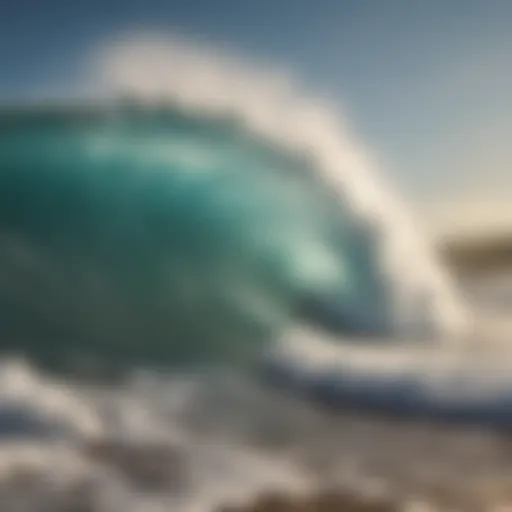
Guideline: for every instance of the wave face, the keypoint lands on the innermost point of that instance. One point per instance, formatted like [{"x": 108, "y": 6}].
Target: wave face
[
  {"x": 149, "y": 227},
  {"x": 199, "y": 220}
]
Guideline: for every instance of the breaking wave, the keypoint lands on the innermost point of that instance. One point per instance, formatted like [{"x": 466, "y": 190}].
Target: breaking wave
[
  {"x": 209, "y": 210},
  {"x": 190, "y": 208}
]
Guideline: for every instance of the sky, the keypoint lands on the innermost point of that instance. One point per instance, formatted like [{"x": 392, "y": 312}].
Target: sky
[{"x": 427, "y": 84}]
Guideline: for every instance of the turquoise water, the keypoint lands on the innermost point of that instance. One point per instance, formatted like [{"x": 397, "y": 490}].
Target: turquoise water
[{"x": 152, "y": 234}]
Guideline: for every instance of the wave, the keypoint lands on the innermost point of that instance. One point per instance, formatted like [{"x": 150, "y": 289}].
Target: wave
[
  {"x": 199, "y": 209},
  {"x": 152, "y": 228},
  {"x": 182, "y": 208}
]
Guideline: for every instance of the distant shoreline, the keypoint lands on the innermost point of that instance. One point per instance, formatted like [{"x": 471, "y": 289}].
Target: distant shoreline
[{"x": 481, "y": 255}]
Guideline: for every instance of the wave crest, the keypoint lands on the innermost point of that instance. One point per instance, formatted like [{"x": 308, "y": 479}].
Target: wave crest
[{"x": 159, "y": 69}]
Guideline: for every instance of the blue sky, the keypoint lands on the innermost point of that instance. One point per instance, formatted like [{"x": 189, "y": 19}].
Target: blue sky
[{"x": 427, "y": 83}]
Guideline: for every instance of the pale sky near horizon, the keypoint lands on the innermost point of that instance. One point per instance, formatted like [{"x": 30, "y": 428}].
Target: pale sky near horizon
[{"x": 426, "y": 83}]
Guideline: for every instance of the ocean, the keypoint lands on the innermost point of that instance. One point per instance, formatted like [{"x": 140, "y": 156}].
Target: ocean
[{"x": 207, "y": 293}]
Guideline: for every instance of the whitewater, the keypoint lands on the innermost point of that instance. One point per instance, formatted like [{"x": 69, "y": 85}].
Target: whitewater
[{"x": 187, "y": 209}]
